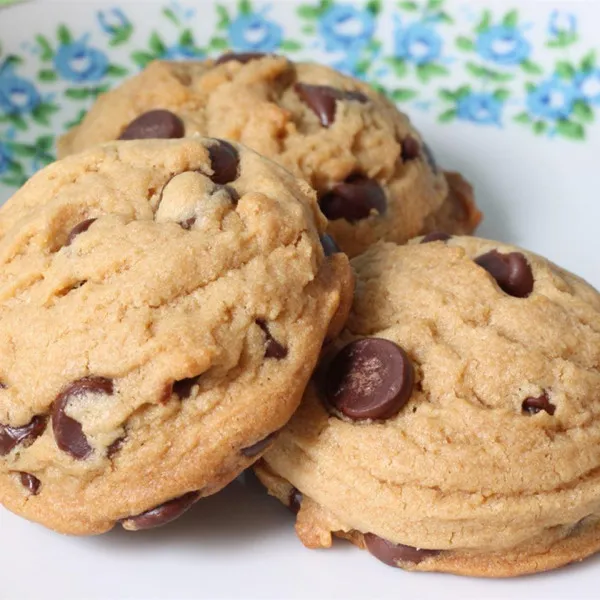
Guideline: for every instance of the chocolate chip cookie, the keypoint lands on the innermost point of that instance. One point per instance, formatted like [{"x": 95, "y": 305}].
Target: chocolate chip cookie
[
  {"x": 162, "y": 305},
  {"x": 375, "y": 177},
  {"x": 455, "y": 424}
]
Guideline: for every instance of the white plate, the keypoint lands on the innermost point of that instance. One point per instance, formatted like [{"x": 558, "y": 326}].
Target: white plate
[{"x": 512, "y": 100}]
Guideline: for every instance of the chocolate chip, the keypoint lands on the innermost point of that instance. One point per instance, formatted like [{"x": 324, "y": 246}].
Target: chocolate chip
[
  {"x": 68, "y": 433},
  {"x": 31, "y": 483},
  {"x": 161, "y": 515},
  {"x": 183, "y": 387},
  {"x": 79, "y": 228},
  {"x": 11, "y": 437},
  {"x": 370, "y": 378},
  {"x": 225, "y": 162},
  {"x": 391, "y": 554},
  {"x": 241, "y": 57},
  {"x": 329, "y": 245},
  {"x": 511, "y": 272},
  {"x": 321, "y": 99},
  {"x": 436, "y": 236},
  {"x": 115, "y": 447},
  {"x": 273, "y": 348},
  {"x": 3, "y": 386},
  {"x": 410, "y": 148},
  {"x": 354, "y": 199},
  {"x": 295, "y": 500},
  {"x": 154, "y": 124},
  {"x": 533, "y": 406},
  {"x": 255, "y": 449},
  {"x": 188, "y": 223},
  {"x": 430, "y": 158}
]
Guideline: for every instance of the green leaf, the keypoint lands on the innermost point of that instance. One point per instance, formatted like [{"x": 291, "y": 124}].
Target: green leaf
[
  {"x": 428, "y": 70},
  {"x": 447, "y": 116},
  {"x": 218, "y": 43},
  {"x": 141, "y": 59},
  {"x": 588, "y": 62},
  {"x": 362, "y": 66},
  {"x": 290, "y": 46},
  {"x": 18, "y": 121},
  {"x": 169, "y": 14},
  {"x": 511, "y": 19},
  {"x": 374, "y": 46},
  {"x": 539, "y": 127},
  {"x": 448, "y": 95},
  {"x": 565, "y": 70},
  {"x": 583, "y": 111},
  {"x": 464, "y": 43},
  {"x": 569, "y": 129},
  {"x": 15, "y": 181},
  {"x": 407, "y": 5},
  {"x": 156, "y": 44},
  {"x": 45, "y": 142},
  {"x": 77, "y": 120},
  {"x": 485, "y": 21},
  {"x": 444, "y": 17},
  {"x": 42, "y": 113},
  {"x": 403, "y": 94},
  {"x": 398, "y": 66},
  {"x": 47, "y": 75},
  {"x": 434, "y": 5},
  {"x": 325, "y": 5},
  {"x": 244, "y": 7},
  {"x": 374, "y": 7},
  {"x": 187, "y": 38},
  {"x": 116, "y": 71},
  {"x": 77, "y": 93},
  {"x": 531, "y": 68},
  {"x": 23, "y": 150},
  {"x": 309, "y": 29},
  {"x": 523, "y": 118},
  {"x": 485, "y": 73},
  {"x": 13, "y": 60},
  {"x": 530, "y": 87},
  {"x": 64, "y": 35},
  {"x": 308, "y": 12},
  {"x": 223, "y": 16},
  {"x": 121, "y": 36},
  {"x": 563, "y": 39},
  {"x": 501, "y": 94},
  {"x": 47, "y": 52}
]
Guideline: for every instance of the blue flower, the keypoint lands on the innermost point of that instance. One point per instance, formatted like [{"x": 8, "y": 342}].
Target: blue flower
[
  {"x": 17, "y": 95},
  {"x": 418, "y": 43},
  {"x": 181, "y": 52},
  {"x": 480, "y": 108},
  {"x": 552, "y": 99},
  {"x": 254, "y": 33},
  {"x": 588, "y": 84},
  {"x": 503, "y": 45},
  {"x": 562, "y": 23},
  {"x": 78, "y": 62},
  {"x": 5, "y": 159},
  {"x": 113, "y": 20},
  {"x": 345, "y": 27}
]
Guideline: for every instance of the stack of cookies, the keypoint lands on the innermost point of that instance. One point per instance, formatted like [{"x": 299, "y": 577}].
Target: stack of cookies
[{"x": 178, "y": 303}]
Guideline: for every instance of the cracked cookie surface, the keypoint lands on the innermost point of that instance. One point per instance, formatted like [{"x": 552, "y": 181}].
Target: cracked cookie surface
[
  {"x": 375, "y": 177},
  {"x": 455, "y": 424},
  {"x": 162, "y": 304}
]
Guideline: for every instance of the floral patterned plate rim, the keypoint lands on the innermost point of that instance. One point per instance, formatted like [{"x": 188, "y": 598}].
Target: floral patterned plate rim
[{"x": 506, "y": 91}]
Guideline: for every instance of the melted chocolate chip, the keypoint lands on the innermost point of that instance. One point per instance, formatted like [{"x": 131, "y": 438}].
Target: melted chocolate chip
[
  {"x": 188, "y": 223},
  {"x": 163, "y": 514},
  {"x": 410, "y": 148},
  {"x": 391, "y": 554},
  {"x": 329, "y": 245},
  {"x": 533, "y": 406},
  {"x": 115, "y": 447},
  {"x": 255, "y": 449},
  {"x": 241, "y": 57},
  {"x": 11, "y": 437},
  {"x": 154, "y": 124},
  {"x": 68, "y": 433},
  {"x": 511, "y": 271},
  {"x": 273, "y": 348},
  {"x": 430, "y": 158},
  {"x": 183, "y": 387},
  {"x": 353, "y": 200},
  {"x": 321, "y": 99},
  {"x": 436, "y": 236},
  {"x": 295, "y": 500},
  {"x": 225, "y": 162},
  {"x": 31, "y": 483},
  {"x": 370, "y": 378},
  {"x": 79, "y": 228}
]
